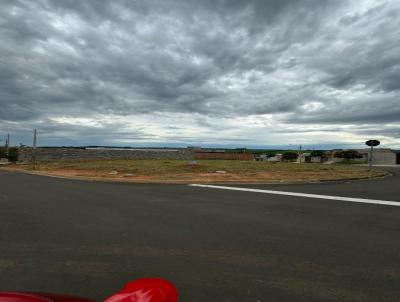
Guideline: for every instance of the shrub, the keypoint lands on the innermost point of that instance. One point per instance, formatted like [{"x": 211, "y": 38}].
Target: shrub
[
  {"x": 3, "y": 152},
  {"x": 13, "y": 154}
]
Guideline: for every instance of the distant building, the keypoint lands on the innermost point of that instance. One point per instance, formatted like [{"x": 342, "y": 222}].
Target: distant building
[
  {"x": 275, "y": 158},
  {"x": 304, "y": 158}
]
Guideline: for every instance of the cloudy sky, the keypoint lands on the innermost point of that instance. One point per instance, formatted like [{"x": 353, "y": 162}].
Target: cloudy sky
[{"x": 200, "y": 72}]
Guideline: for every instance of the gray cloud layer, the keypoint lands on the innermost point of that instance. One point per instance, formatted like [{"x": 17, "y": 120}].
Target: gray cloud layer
[{"x": 302, "y": 62}]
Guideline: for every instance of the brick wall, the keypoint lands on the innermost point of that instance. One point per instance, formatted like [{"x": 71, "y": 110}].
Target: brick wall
[
  {"x": 52, "y": 154},
  {"x": 221, "y": 155}
]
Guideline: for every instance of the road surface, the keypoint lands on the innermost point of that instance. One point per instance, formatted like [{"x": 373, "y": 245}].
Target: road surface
[{"x": 88, "y": 238}]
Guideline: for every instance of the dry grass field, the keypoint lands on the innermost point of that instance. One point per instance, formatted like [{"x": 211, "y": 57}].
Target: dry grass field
[{"x": 205, "y": 171}]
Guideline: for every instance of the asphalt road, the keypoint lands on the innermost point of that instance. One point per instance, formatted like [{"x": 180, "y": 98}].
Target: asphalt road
[{"x": 88, "y": 238}]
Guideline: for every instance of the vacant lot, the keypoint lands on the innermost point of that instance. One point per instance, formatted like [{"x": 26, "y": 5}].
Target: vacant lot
[{"x": 205, "y": 171}]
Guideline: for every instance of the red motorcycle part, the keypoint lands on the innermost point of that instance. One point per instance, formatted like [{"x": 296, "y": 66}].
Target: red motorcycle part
[
  {"x": 141, "y": 290},
  {"x": 38, "y": 297},
  {"x": 146, "y": 290}
]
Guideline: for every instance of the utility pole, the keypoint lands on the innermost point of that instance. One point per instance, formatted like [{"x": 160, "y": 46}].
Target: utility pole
[
  {"x": 8, "y": 145},
  {"x": 300, "y": 154},
  {"x": 371, "y": 155},
  {"x": 7, "y": 141},
  {"x": 34, "y": 149}
]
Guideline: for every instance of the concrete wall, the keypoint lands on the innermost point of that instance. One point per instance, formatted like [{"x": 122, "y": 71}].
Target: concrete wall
[
  {"x": 51, "y": 154},
  {"x": 383, "y": 157}
]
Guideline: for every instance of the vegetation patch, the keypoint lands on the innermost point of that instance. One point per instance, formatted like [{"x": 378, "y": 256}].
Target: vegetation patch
[{"x": 9, "y": 153}]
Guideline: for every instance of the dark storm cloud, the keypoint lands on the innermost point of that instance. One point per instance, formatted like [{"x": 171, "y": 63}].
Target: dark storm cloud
[{"x": 306, "y": 61}]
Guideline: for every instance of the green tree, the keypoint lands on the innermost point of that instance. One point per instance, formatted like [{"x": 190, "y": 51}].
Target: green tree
[
  {"x": 348, "y": 154},
  {"x": 317, "y": 153},
  {"x": 13, "y": 154},
  {"x": 289, "y": 155}
]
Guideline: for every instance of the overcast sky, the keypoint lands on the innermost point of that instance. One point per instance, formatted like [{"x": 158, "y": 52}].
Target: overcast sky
[{"x": 200, "y": 72}]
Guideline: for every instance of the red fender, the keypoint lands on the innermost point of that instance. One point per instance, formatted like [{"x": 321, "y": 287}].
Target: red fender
[
  {"x": 146, "y": 290},
  {"x": 141, "y": 290}
]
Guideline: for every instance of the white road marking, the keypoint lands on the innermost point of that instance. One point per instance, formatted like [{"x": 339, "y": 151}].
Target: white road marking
[{"x": 351, "y": 199}]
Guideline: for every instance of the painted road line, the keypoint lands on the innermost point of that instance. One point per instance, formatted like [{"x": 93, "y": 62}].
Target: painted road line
[{"x": 340, "y": 198}]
